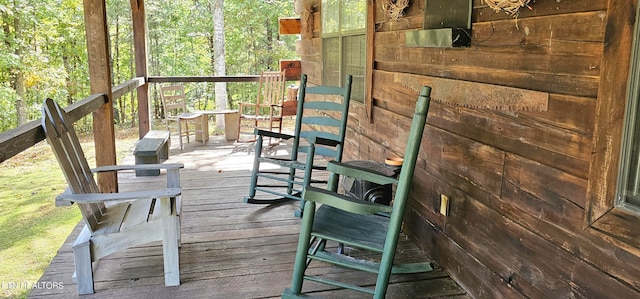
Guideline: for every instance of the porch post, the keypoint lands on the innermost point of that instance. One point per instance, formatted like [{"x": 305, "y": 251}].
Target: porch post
[
  {"x": 139, "y": 19},
  {"x": 95, "y": 20}
]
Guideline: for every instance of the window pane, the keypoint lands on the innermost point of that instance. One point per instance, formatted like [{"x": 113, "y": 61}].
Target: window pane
[
  {"x": 354, "y": 15},
  {"x": 330, "y": 16},
  {"x": 331, "y": 61},
  {"x": 354, "y": 64},
  {"x": 632, "y": 188}
]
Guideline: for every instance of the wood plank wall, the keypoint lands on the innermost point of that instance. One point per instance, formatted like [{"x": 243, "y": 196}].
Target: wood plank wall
[{"x": 517, "y": 180}]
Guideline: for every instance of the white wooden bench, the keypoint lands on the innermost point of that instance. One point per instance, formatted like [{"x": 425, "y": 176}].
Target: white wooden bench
[
  {"x": 153, "y": 148},
  {"x": 113, "y": 221}
]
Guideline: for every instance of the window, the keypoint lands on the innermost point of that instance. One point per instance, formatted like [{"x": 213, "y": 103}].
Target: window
[
  {"x": 628, "y": 187},
  {"x": 344, "y": 43}
]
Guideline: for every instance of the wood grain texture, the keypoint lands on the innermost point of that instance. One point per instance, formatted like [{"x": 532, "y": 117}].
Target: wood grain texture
[
  {"x": 95, "y": 18},
  {"x": 520, "y": 182}
]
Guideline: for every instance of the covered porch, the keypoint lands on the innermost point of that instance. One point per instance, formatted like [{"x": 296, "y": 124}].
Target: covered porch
[{"x": 230, "y": 249}]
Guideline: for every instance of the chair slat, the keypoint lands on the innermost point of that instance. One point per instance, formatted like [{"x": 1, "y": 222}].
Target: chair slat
[
  {"x": 321, "y": 105},
  {"x": 322, "y": 121}
]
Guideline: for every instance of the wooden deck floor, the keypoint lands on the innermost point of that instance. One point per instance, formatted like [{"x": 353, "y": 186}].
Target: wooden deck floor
[{"x": 230, "y": 249}]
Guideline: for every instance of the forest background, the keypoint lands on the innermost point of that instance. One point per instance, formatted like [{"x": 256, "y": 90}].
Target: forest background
[
  {"x": 43, "y": 54},
  {"x": 43, "y": 51}
]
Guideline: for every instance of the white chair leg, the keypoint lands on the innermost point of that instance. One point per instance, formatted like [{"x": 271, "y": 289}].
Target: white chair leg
[
  {"x": 170, "y": 242},
  {"x": 82, "y": 259},
  {"x": 180, "y": 133}
]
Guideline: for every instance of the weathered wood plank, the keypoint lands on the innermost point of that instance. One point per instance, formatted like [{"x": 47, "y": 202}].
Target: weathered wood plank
[
  {"x": 548, "y": 183},
  {"x": 565, "y": 149},
  {"x": 582, "y": 244},
  {"x": 481, "y": 281},
  {"x": 526, "y": 260},
  {"x": 139, "y": 20},
  {"x": 97, "y": 35},
  {"x": 483, "y": 13},
  {"x": 610, "y": 110},
  {"x": 585, "y": 86}
]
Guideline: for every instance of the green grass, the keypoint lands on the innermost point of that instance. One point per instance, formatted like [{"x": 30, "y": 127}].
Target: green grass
[{"x": 32, "y": 228}]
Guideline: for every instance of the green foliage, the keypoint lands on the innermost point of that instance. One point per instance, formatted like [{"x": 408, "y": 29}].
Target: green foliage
[{"x": 49, "y": 49}]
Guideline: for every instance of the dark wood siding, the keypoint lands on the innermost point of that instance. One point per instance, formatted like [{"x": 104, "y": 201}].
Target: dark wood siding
[{"x": 519, "y": 181}]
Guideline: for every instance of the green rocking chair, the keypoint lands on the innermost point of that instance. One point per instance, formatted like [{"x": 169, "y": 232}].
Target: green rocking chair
[
  {"x": 357, "y": 223},
  {"x": 321, "y": 122}
]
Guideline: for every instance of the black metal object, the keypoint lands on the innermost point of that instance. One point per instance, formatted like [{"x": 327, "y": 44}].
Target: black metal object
[
  {"x": 446, "y": 24},
  {"x": 368, "y": 191}
]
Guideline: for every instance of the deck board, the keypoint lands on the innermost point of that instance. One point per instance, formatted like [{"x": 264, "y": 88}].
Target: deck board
[{"x": 229, "y": 249}]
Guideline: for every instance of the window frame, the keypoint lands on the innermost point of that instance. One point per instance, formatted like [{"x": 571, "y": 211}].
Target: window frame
[
  {"x": 341, "y": 35},
  {"x": 602, "y": 217},
  {"x": 630, "y": 130}
]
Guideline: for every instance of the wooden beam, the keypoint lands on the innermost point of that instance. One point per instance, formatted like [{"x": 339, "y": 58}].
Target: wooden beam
[
  {"x": 127, "y": 87},
  {"x": 610, "y": 106},
  {"x": 95, "y": 19},
  {"x": 139, "y": 20},
  {"x": 166, "y": 79},
  {"x": 370, "y": 63}
]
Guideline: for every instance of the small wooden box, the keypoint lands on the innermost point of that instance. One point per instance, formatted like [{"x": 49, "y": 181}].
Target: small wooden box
[
  {"x": 290, "y": 105},
  {"x": 289, "y": 108},
  {"x": 289, "y": 26},
  {"x": 292, "y": 68}
]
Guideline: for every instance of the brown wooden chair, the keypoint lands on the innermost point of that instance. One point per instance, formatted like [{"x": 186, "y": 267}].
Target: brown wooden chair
[
  {"x": 266, "y": 112},
  {"x": 175, "y": 111},
  {"x": 113, "y": 221}
]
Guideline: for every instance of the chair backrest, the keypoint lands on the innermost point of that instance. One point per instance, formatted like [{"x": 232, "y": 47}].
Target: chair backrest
[
  {"x": 63, "y": 140},
  {"x": 173, "y": 100},
  {"x": 411, "y": 152},
  {"x": 270, "y": 90},
  {"x": 322, "y": 112}
]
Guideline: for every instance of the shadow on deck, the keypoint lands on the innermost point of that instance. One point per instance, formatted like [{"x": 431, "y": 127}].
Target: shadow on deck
[{"x": 229, "y": 249}]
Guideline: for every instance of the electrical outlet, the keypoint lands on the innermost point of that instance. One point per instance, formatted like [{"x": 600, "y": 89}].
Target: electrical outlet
[{"x": 444, "y": 204}]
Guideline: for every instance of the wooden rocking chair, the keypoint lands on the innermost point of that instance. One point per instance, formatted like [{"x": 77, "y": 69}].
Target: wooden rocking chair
[
  {"x": 267, "y": 107},
  {"x": 321, "y": 123},
  {"x": 174, "y": 104},
  {"x": 357, "y": 223},
  {"x": 113, "y": 221}
]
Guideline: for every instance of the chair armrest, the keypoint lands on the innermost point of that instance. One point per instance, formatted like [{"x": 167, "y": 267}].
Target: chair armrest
[
  {"x": 323, "y": 141},
  {"x": 272, "y": 134},
  {"x": 343, "y": 202},
  {"x": 105, "y": 197},
  {"x": 168, "y": 166},
  {"x": 360, "y": 173}
]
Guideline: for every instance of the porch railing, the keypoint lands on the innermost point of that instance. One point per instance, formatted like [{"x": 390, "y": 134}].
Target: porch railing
[{"x": 19, "y": 139}]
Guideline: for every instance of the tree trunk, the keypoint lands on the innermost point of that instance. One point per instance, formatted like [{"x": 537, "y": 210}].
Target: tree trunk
[
  {"x": 16, "y": 77},
  {"x": 219, "y": 60}
]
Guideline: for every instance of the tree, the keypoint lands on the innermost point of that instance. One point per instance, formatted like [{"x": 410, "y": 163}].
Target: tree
[
  {"x": 12, "y": 28},
  {"x": 219, "y": 59},
  {"x": 43, "y": 51}
]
